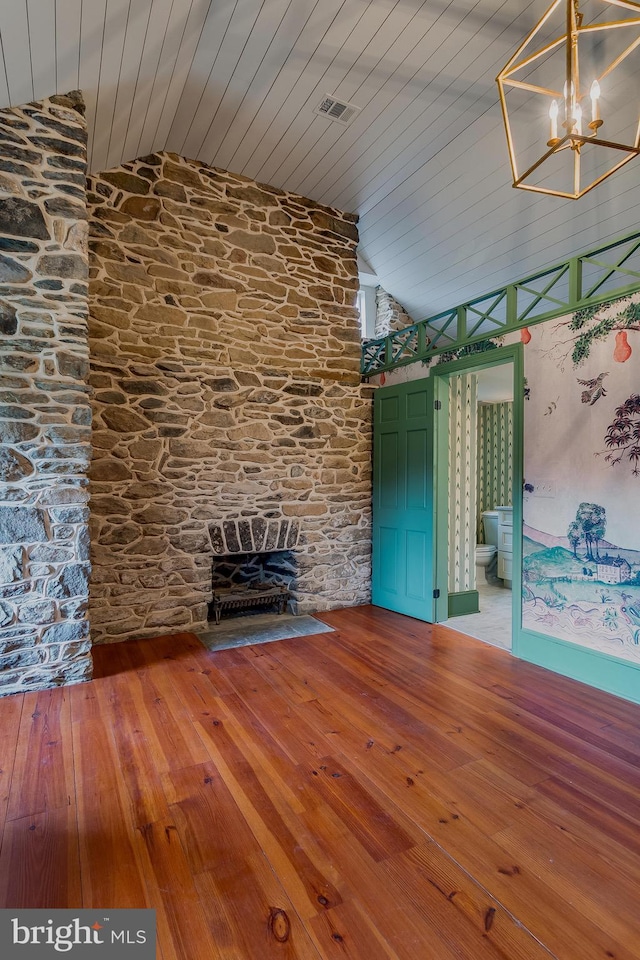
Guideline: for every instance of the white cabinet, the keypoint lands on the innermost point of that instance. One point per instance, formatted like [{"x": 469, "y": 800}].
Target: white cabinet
[{"x": 505, "y": 543}]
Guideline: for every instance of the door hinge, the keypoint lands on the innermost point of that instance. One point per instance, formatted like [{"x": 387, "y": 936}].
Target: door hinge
[
  {"x": 436, "y": 594},
  {"x": 437, "y": 404}
]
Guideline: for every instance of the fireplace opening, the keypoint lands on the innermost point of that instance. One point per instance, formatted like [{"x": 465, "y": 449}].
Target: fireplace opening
[{"x": 250, "y": 583}]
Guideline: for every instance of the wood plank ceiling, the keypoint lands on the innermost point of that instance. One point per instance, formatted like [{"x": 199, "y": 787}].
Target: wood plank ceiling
[{"x": 235, "y": 83}]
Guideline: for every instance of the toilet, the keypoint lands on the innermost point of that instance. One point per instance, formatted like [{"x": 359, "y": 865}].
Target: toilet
[{"x": 487, "y": 552}]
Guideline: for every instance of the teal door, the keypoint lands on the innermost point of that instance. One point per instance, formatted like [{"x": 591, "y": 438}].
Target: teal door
[{"x": 403, "y": 489}]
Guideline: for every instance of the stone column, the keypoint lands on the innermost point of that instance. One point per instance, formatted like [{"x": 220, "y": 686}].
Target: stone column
[{"x": 45, "y": 417}]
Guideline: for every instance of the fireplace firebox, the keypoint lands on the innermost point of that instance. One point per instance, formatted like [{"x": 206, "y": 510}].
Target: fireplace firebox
[
  {"x": 244, "y": 582},
  {"x": 244, "y": 596},
  {"x": 253, "y": 566}
]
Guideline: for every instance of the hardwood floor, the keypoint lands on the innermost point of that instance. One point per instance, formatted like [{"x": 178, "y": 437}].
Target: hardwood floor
[{"x": 390, "y": 790}]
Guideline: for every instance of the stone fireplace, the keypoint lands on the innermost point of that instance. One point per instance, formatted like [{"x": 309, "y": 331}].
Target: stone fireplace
[
  {"x": 229, "y": 417},
  {"x": 210, "y": 370},
  {"x": 254, "y": 553}
]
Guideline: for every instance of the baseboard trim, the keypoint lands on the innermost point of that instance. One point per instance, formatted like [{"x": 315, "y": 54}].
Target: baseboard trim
[{"x": 463, "y": 602}]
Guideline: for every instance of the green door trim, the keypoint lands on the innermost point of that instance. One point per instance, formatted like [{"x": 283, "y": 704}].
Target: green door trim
[{"x": 441, "y": 374}]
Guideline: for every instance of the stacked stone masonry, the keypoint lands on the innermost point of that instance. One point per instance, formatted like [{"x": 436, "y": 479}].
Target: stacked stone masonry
[
  {"x": 225, "y": 368},
  {"x": 45, "y": 414},
  {"x": 390, "y": 315},
  {"x": 253, "y": 536}
]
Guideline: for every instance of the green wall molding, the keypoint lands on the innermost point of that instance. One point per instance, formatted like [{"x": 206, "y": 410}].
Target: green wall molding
[
  {"x": 592, "y": 667},
  {"x": 605, "y": 273},
  {"x": 463, "y": 602}
]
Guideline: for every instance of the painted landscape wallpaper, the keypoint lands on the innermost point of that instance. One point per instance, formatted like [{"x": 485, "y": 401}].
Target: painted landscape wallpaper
[{"x": 581, "y": 546}]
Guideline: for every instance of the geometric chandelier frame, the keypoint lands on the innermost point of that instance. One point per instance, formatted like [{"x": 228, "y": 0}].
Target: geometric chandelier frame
[{"x": 565, "y": 101}]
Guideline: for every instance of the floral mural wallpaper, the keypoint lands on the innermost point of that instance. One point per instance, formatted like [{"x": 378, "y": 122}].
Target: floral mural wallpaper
[{"x": 581, "y": 537}]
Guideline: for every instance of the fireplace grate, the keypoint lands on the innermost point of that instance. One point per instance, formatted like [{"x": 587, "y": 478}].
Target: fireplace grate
[{"x": 241, "y": 596}]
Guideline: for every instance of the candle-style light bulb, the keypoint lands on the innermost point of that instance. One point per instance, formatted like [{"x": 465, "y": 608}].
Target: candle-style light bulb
[
  {"x": 577, "y": 116},
  {"x": 594, "y": 93},
  {"x": 568, "y": 95},
  {"x": 553, "y": 116}
]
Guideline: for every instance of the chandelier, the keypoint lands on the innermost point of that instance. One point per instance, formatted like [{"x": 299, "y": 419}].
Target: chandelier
[{"x": 570, "y": 99}]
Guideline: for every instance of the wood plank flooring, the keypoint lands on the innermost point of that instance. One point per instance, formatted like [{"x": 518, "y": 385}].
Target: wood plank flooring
[{"x": 391, "y": 790}]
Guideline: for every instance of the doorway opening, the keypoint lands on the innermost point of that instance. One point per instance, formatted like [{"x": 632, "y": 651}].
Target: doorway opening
[{"x": 479, "y": 491}]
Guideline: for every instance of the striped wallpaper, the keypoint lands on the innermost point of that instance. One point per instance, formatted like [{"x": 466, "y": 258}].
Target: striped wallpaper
[
  {"x": 462, "y": 482},
  {"x": 495, "y": 460}
]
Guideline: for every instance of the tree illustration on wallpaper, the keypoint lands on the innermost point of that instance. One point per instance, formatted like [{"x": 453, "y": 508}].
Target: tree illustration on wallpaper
[
  {"x": 589, "y": 594},
  {"x": 577, "y": 335},
  {"x": 589, "y": 326},
  {"x": 581, "y": 568},
  {"x": 623, "y": 434},
  {"x": 589, "y": 525},
  {"x": 574, "y": 536}
]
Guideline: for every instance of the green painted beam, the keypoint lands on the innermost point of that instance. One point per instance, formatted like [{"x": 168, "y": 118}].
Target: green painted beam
[{"x": 592, "y": 278}]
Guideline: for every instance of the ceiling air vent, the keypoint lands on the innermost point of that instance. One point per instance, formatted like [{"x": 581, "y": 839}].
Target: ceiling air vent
[{"x": 337, "y": 109}]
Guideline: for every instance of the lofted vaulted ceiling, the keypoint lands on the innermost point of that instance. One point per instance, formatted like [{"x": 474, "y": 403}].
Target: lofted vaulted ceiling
[{"x": 234, "y": 83}]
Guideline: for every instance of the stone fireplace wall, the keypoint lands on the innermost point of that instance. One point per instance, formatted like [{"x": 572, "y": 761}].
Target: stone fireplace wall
[
  {"x": 45, "y": 416},
  {"x": 225, "y": 366}
]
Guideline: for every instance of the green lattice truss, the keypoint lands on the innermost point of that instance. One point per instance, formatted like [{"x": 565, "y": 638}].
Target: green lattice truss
[{"x": 577, "y": 286}]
